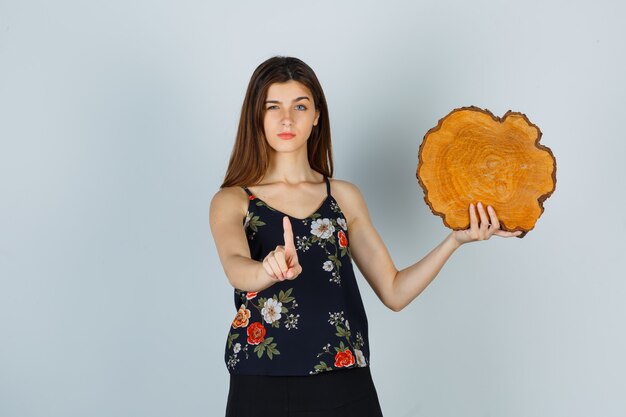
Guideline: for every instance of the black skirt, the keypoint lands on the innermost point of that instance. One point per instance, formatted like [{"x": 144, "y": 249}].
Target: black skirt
[{"x": 338, "y": 393}]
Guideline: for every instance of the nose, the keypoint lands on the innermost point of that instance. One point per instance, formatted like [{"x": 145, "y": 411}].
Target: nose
[{"x": 286, "y": 121}]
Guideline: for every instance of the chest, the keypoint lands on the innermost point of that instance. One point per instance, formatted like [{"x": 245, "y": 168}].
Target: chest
[{"x": 300, "y": 204}]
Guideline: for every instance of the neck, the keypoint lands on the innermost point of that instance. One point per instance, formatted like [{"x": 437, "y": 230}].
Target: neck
[{"x": 289, "y": 168}]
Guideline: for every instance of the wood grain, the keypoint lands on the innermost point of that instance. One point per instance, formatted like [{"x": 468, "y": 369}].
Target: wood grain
[{"x": 472, "y": 155}]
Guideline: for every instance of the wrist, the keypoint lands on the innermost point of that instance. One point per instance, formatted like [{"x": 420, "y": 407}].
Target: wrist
[
  {"x": 263, "y": 279},
  {"x": 452, "y": 242}
]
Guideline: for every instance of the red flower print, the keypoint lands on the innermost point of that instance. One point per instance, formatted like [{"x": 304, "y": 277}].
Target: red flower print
[
  {"x": 342, "y": 359},
  {"x": 343, "y": 240},
  {"x": 251, "y": 197},
  {"x": 251, "y": 294},
  {"x": 256, "y": 334},
  {"x": 241, "y": 319}
]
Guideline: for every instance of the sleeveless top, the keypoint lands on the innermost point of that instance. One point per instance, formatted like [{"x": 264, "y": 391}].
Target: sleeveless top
[{"x": 313, "y": 323}]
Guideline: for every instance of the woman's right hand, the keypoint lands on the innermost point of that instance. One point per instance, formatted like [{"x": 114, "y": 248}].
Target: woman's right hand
[{"x": 282, "y": 262}]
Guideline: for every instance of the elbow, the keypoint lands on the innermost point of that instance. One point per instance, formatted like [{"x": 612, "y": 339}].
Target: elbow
[
  {"x": 391, "y": 300},
  {"x": 233, "y": 279},
  {"x": 230, "y": 279},
  {"x": 394, "y": 305}
]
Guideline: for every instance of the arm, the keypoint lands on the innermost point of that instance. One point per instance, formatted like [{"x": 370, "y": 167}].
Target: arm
[
  {"x": 226, "y": 222},
  {"x": 396, "y": 289},
  {"x": 411, "y": 281}
]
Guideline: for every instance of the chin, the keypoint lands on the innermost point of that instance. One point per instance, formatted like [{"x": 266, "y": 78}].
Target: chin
[{"x": 286, "y": 147}]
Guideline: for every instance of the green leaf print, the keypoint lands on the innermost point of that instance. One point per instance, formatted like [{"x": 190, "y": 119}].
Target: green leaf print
[
  {"x": 322, "y": 367},
  {"x": 231, "y": 338},
  {"x": 341, "y": 332},
  {"x": 267, "y": 346},
  {"x": 255, "y": 222},
  {"x": 271, "y": 350},
  {"x": 259, "y": 349},
  {"x": 284, "y": 296}
]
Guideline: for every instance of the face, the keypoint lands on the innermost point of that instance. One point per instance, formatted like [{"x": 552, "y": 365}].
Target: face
[{"x": 289, "y": 115}]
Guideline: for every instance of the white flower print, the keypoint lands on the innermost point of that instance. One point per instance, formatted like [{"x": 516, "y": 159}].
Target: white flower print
[
  {"x": 359, "y": 339},
  {"x": 292, "y": 321},
  {"x": 328, "y": 266},
  {"x": 302, "y": 243},
  {"x": 322, "y": 228},
  {"x": 342, "y": 222},
  {"x": 336, "y": 318},
  {"x": 232, "y": 361},
  {"x": 237, "y": 347},
  {"x": 360, "y": 358},
  {"x": 271, "y": 310}
]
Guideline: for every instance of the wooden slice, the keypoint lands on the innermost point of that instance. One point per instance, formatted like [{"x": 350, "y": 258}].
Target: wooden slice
[{"x": 472, "y": 155}]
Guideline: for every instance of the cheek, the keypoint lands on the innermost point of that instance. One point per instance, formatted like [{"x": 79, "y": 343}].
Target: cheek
[
  {"x": 306, "y": 119},
  {"x": 269, "y": 122},
  {"x": 267, "y": 118}
]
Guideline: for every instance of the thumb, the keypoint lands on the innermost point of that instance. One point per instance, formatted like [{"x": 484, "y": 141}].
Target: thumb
[{"x": 294, "y": 270}]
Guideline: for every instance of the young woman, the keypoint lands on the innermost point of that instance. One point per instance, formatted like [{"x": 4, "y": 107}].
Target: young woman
[{"x": 286, "y": 235}]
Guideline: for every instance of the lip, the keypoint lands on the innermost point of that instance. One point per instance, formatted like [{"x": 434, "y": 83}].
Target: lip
[{"x": 286, "y": 135}]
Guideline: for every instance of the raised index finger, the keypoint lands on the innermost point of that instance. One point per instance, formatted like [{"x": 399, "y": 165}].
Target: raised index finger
[{"x": 288, "y": 234}]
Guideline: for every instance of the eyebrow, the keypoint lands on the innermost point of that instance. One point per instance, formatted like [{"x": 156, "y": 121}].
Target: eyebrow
[{"x": 280, "y": 102}]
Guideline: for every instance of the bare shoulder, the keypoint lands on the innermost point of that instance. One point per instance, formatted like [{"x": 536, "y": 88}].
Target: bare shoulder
[
  {"x": 228, "y": 202},
  {"x": 349, "y": 198}
]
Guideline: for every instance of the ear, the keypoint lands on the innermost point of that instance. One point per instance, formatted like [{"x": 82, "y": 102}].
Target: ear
[{"x": 317, "y": 117}]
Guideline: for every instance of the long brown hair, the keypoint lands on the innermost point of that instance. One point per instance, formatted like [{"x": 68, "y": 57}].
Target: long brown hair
[{"x": 249, "y": 158}]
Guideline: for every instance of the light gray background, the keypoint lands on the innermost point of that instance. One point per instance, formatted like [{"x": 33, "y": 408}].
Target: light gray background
[{"x": 116, "y": 123}]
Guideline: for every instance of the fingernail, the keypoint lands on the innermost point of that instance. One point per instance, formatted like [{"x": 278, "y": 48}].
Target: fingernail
[{"x": 480, "y": 204}]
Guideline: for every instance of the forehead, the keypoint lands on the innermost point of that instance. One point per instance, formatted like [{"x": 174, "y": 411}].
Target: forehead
[{"x": 288, "y": 91}]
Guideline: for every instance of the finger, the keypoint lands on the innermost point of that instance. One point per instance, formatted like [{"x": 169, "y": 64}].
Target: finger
[
  {"x": 288, "y": 234},
  {"x": 504, "y": 233},
  {"x": 279, "y": 256},
  {"x": 294, "y": 269},
  {"x": 269, "y": 270},
  {"x": 484, "y": 221},
  {"x": 473, "y": 218},
  {"x": 290, "y": 274},
  {"x": 293, "y": 272},
  {"x": 495, "y": 223},
  {"x": 277, "y": 271}
]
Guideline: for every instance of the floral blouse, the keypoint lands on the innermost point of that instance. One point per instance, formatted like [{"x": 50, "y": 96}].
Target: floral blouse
[{"x": 313, "y": 323}]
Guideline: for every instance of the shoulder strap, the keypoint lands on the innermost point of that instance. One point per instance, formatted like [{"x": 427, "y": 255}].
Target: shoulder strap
[{"x": 247, "y": 191}]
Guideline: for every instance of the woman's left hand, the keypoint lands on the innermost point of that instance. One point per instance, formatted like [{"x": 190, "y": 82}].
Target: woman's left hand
[{"x": 485, "y": 230}]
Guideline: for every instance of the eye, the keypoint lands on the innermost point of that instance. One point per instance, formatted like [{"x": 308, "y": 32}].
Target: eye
[
  {"x": 271, "y": 107},
  {"x": 301, "y": 105}
]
